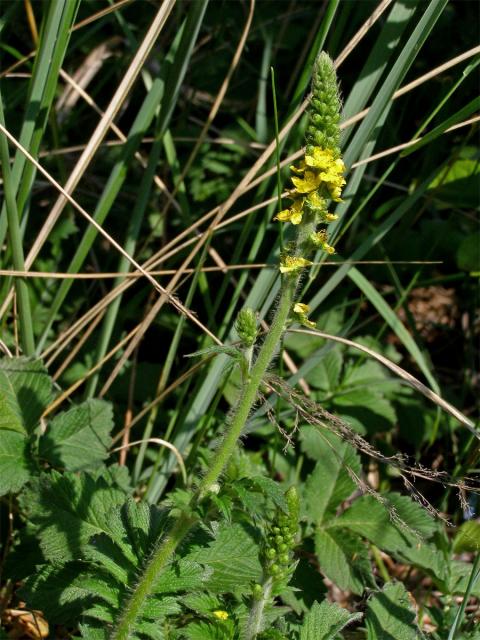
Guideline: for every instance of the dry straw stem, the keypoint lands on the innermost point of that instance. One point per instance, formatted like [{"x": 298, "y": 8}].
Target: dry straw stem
[
  {"x": 68, "y": 392},
  {"x": 313, "y": 413},
  {"x": 218, "y": 99},
  {"x": 101, "y": 14},
  {"x": 409, "y": 379},
  {"x": 176, "y": 303},
  {"x": 122, "y": 138},
  {"x": 364, "y": 29},
  {"x": 163, "y": 443},
  {"x": 109, "y": 275},
  {"x": 101, "y": 130}
]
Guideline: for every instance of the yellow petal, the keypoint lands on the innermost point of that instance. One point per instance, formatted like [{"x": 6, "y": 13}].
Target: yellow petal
[
  {"x": 299, "y": 307},
  {"x": 221, "y": 615},
  {"x": 284, "y": 216},
  {"x": 310, "y": 182},
  {"x": 293, "y": 263},
  {"x": 296, "y": 218}
]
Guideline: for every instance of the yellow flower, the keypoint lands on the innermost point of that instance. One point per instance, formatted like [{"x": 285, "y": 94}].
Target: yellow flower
[
  {"x": 301, "y": 310},
  {"x": 293, "y": 263},
  {"x": 310, "y": 182},
  {"x": 328, "y": 170},
  {"x": 299, "y": 307},
  {"x": 329, "y": 217},
  {"x": 320, "y": 239},
  {"x": 298, "y": 170},
  {"x": 315, "y": 200},
  {"x": 320, "y": 158},
  {"x": 221, "y": 615},
  {"x": 294, "y": 214}
]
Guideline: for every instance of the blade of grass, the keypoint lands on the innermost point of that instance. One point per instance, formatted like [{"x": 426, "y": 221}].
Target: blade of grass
[
  {"x": 394, "y": 322},
  {"x": 101, "y": 129},
  {"x": 474, "y": 575},
  {"x": 54, "y": 38},
  {"x": 114, "y": 183},
  {"x": 371, "y": 73},
  {"x": 15, "y": 238}
]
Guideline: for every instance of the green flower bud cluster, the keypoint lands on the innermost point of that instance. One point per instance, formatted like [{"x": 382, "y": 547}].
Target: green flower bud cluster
[
  {"x": 323, "y": 127},
  {"x": 246, "y": 327},
  {"x": 281, "y": 537}
]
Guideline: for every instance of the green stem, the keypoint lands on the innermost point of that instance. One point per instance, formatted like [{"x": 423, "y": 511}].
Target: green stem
[
  {"x": 185, "y": 521},
  {"x": 250, "y": 390},
  {"x": 144, "y": 588},
  {"x": 15, "y": 237},
  {"x": 255, "y": 619}
]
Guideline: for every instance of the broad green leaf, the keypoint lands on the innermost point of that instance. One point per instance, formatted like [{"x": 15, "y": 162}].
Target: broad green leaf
[
  {"x": 326, "y": 374},
  {"x": 64, "y": 592},
  {"x": 30, "y": 383},
  {"x": 392, "y": 526},
  {"x": 343, "y": 558},
  {"x": 330, "y": 482},
  {"x": 232, "y": 548},
  {"x": 467, "y": 537},
  {"x": 16, "y": 466},
  {"x": 10, "y": 413},
  {"x": 458, "y": 577},
  {"x": 68, "y": 510},
  {"x": 468, "y": 253},
  {"x": 78, "y": 438},
  {"x": 394, "y": 322},
  {"x": 324, "y": 621},
  {"x": 209, "y": 631},
  {"x": 390, "y": 615},
  {"x": 365, "y": 409}
]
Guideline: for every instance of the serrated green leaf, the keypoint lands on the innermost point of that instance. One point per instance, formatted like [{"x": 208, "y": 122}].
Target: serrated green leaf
[
  {"x": 222, "y": 630},
  {"x": 150, "y": 630},
  {"x": 272, "y": 490},
  {"x": 93, "y": 631},
  {"x": 326, "y": 374},
  {"x": 343, "y": 558},
  {"x": 10, "y": 413},
  {"x": 68, "y": 510},
  {"x": 16, "y": 466},
  {"x": 390, "y": 615},
  {"x": 184, "y": 576},
  {"x": 202, "y": 603},
  {"x": 79, "y": 438},
  {"x": 330, "y": 483},
  {"x": 306, "y": 586},
  {"x": 467, "y": 537},
  {"x": 101, "y": 612},
  {"x": 232, "y": 547},
  {"x": 25, "y": 390},
  {"x": 58, "y": 592},
  {"x": 365, "y": 407},
  {"x": 324, "y": 621},
  {"x": 373, "y": 520},
  {"x": 159, "y": 607}
]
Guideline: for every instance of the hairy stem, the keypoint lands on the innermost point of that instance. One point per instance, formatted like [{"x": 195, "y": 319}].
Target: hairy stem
[
  {"x": 185, "y": 521},
  {"x": 255, "y": 619}
]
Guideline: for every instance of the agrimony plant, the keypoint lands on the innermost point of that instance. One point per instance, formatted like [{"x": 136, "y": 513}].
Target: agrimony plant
[{"x": 318, "y": 179}]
